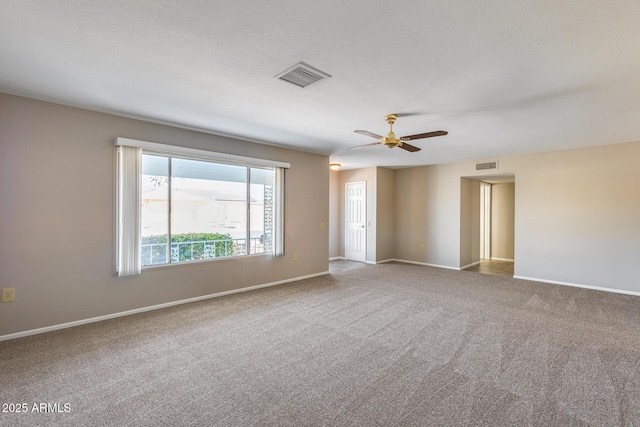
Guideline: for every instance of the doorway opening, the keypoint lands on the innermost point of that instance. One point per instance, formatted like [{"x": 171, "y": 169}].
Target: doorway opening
[{"x": 494, "y": 214}]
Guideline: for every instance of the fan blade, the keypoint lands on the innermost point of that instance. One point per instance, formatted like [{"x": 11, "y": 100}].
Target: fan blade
[
  {"x": 367, "y": 133},
  {"x": 409, "y": 114},
  {"x": 409, "y": 147},
  {"x": 365, "y": 145},
  {"x": 424, "y": 135}
]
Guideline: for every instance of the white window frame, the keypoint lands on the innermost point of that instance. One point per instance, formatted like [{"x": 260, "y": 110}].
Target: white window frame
[{"x": 128, "y": 262}]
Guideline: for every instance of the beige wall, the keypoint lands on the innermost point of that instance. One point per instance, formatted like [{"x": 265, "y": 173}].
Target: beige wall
[
  {"x": 502, "y": 220},
  {"x": 57, "y": 218},
  {"x": 577, "y": 216},
  {"x": 427, "y": 212},
  {"x": 410, "y": 225},
  {"x": 469, "y": 222},
  {"x": 384, "y": 215}
]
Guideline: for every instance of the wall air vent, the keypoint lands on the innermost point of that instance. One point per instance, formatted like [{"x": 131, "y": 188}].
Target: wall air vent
[
  {"x": 487, "y": 166},
  {"x": 302, "y": 75}
]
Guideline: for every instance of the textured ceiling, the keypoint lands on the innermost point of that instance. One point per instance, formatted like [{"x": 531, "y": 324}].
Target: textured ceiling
[{"x": 502, "y": 76}]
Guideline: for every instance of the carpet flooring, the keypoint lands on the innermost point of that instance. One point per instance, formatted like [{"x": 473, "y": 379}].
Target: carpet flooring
[{"x": 382, "y": 345}]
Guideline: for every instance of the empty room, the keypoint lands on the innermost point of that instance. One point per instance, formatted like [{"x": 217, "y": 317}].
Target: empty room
[{"x": 319, "y": 213}]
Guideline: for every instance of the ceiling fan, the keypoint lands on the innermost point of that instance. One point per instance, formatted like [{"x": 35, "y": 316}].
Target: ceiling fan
[{"x": 391, "y": 141}]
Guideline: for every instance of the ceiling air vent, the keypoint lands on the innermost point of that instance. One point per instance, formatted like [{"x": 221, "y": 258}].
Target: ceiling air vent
[
  {"x": 302, "y": 75},
  {"x": 487, "y": 166}
]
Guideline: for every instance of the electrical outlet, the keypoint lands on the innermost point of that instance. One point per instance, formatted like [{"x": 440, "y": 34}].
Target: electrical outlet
[
  {"x": 8, "y": 294},
  {"x": 422, "y": 246},
  {"x": 295, "y": 256}
]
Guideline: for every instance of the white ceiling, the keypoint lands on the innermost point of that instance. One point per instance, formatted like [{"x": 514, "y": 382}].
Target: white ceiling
[{"x": 502, "y": 76}]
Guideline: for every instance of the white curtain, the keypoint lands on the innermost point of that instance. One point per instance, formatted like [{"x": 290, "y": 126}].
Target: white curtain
[
  {"x": 129, "y": 210},
  {"x": 278, "y": 247}
]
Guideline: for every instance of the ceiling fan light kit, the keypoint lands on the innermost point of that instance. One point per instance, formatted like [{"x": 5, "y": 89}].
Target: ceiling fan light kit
[{"x": 390, "y": 141}]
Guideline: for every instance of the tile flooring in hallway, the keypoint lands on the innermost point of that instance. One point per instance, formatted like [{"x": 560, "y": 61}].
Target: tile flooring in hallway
[
  {"x": 494, "y": 267},
  {"x": 340, "y": 265}
]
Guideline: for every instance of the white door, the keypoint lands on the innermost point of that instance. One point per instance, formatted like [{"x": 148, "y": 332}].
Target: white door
[{"x": 356, "y": 221}]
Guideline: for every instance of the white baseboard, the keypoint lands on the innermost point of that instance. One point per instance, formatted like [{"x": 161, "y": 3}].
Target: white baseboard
[
  {"x": 501, "y": 259},
  {"x": 470, "y": 265},
  {"x": 427, "y": 264},
  {"x": 577, "y": 285},
  {"x": 150, "y": 308},
  {"x": 370, "y": 262},
  {"x": 336, "y": 258}
]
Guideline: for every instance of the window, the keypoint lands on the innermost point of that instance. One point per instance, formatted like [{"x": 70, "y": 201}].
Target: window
[{"x": 192, "y": 205}]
